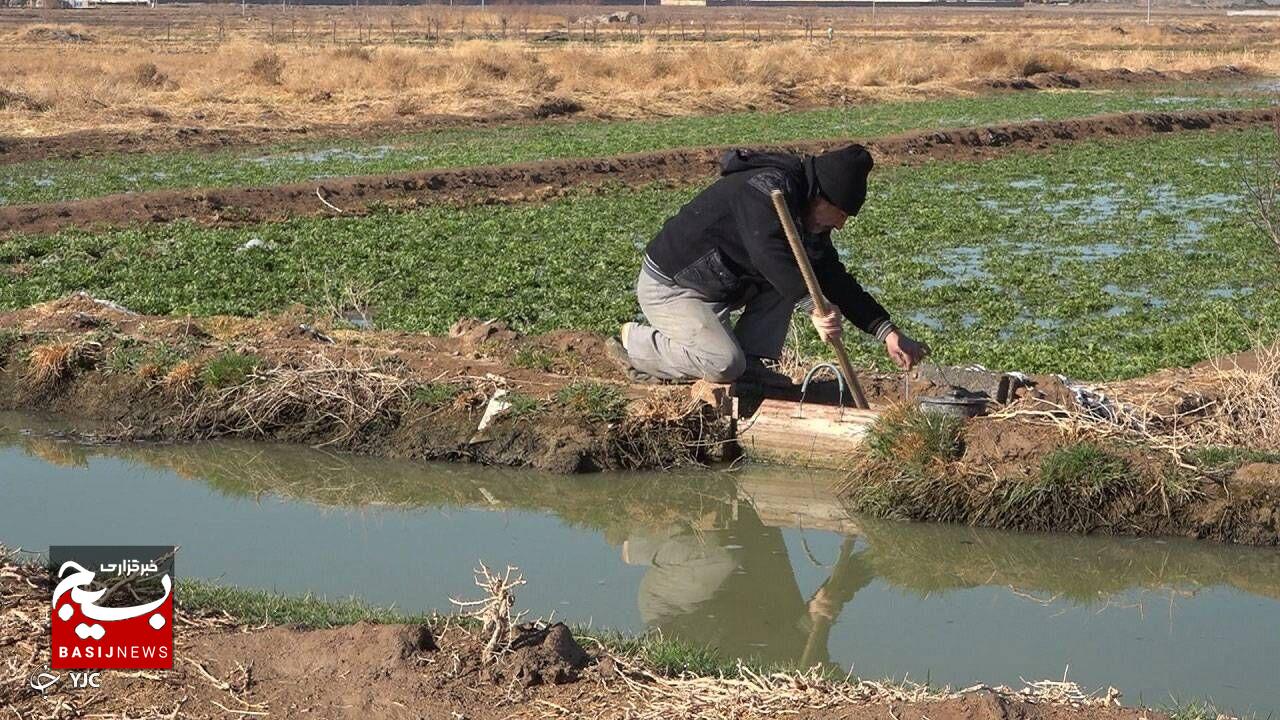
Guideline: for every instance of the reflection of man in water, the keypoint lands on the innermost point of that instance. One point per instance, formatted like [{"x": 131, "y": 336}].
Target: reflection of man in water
[{"x": 734, "y": 589}]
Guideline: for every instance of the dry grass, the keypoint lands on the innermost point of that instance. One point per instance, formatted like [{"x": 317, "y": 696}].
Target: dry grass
[
  {"x": 786, "y": 694},
  {"x": 49, "y": 363},
  {"x": 1246, "y": 410},
  {"x": 181, "y": 379},
  {"x": 216, "y": 78},
  {"x": 1229, "y": 402},
  {"x": 327, "y": 402}
]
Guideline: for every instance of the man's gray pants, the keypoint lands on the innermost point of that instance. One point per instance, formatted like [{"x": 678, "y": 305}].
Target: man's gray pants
[{"x": 690, "y": 337}]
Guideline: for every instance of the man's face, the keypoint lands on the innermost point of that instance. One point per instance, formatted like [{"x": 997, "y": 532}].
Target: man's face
[{"x": 821, "y": 216}]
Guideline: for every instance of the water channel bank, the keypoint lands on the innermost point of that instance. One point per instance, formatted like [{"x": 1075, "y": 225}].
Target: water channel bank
[{"x": 1147, "y": 462}]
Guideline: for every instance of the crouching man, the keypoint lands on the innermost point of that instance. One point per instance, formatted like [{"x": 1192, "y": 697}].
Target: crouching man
[{"x": 725, "y": 250}]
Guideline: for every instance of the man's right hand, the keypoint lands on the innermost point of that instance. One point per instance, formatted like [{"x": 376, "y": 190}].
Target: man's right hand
[{"x": 829, "y": 325}]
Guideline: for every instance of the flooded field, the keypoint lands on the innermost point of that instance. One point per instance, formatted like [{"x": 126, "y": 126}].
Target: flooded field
[
  {"x": 757, "y": 562},
  {"x": 52, "y": 179}
]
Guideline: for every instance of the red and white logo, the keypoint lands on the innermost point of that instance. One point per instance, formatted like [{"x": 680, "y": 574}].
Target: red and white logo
[{"x": 93, "y": 626}]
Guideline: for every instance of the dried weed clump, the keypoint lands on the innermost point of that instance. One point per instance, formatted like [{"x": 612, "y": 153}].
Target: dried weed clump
[
  {"x": 324, "y": 402},
  {"x": 268, "y": 68},
  {"x": 12, "y": 100},
  {"x": 996, "y": 60},
  {"x": 147, "y": 75},
  {"x": 181, "y": 378},
  {"x": 1246, "y": 410},
  {"x": 496, "y": 610},
  {"x": 49, "y": 363}
]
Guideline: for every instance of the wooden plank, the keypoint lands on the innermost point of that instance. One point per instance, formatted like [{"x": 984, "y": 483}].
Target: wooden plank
[{"x": 811, "y": 435}]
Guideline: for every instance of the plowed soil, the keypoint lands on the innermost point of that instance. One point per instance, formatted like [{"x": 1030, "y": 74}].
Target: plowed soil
[
  {"x": 169, "y": 138},
  {"x": 543, "y": 180}
]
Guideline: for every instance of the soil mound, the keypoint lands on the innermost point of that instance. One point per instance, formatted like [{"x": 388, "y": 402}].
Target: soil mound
[
  {"x": 474, "y": 333},
  {"x": 1008, "y": 449},
  {"x": 1111, "y": 77},
  {"x": 364, "y": 650},
  {"x": 544, "y": 656},
  {"x": 58, "y": 34}
]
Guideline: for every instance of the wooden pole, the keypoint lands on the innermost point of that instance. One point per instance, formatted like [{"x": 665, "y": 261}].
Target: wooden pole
[{"x": 815, "y": 291}]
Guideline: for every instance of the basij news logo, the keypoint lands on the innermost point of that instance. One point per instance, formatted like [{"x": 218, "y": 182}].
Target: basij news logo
[{"x": 112, "y": 606}]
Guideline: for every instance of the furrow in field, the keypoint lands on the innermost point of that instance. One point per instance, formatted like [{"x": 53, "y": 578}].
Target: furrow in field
[
  {"x": 171, "y": 138},
  {"x": 543, "y": 180}
]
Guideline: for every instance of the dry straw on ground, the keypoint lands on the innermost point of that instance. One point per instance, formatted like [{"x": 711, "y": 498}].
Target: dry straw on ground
[
  {"x": 197, "y": 685},
  {"x": 331, "y": 402},
  {"x": 1223, "y": 403},
  {"x": 25, "y": 590},
  {"x": 387, "y": 63},
  {"x": 783, "y": 694},
  {"x": 1245, "y": 411},
  {"x": 49, "y": 363}
]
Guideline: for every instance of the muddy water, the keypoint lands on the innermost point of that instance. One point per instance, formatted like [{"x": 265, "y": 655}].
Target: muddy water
[{"x": 756, "y": 562}]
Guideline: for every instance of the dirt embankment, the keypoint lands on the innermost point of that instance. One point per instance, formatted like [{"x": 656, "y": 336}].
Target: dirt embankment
[
  {"x": 170, "y": 138},
  {"x": 1113, "y": 77},
  {"x": 224, "y": 669},
  {"x": 554, "y": 402},
  {"x": 1115, "y": 488},
  {"x": 1191, "y": 452},
  {"x": 544, "y": 180},
  {"x": 561, "y": 405},
  {"x": 94, "y": 143}
]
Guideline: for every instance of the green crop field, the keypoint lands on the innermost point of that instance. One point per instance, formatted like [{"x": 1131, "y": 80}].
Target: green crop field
[
  {"x": 1100, "y": 260},
  {"x": 46, "y": 181}
]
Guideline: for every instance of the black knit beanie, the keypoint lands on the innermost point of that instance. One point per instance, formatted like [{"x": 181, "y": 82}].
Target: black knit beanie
[{"x": 842, "y": 176}]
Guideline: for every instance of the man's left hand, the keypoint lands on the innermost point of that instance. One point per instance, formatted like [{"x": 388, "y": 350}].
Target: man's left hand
[{"x": 903, "y": 351}]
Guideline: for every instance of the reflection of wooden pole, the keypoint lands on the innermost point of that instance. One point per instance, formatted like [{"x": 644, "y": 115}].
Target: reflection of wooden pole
[
  {"x": 815, "y": 291},
  {"x": 815, "y": 645}
]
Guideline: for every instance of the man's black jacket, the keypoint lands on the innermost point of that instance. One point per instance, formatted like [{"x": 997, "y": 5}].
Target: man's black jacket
[{"x": 729, "y": 237}]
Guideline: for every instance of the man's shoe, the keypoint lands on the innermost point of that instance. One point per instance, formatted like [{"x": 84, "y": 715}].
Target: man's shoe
[
  {"x": 618, "y": 354},
  {"x": 758, "y": 373}
]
